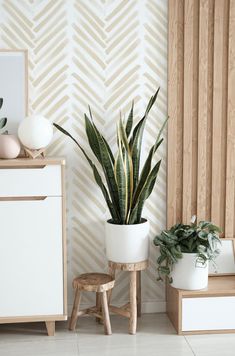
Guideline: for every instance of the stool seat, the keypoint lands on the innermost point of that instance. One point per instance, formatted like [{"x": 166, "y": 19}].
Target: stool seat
[
  {"x": 94, "y": 282},
  {"x": 137, "y": 266}
]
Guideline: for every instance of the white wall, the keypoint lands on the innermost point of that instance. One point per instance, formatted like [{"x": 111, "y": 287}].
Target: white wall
[{"x": 102, "y": 53}]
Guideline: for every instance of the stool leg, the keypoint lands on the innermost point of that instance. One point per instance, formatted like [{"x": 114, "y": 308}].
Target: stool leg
[
  {"x": 105, "y": 311},
  {"x": 74, "y": 315},
  {"x": 139, "y": 293},
  {"x": 112, "y": 274},
  {"x": 98, "y": 305},
  {"x": 133, "y": 303}
]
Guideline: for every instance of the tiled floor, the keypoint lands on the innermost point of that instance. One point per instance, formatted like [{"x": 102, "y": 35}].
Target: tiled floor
[{"x": 155, "y": 336}]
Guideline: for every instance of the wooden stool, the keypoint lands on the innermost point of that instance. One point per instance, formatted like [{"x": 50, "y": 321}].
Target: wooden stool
[
  {"x": 132, "y": 309},
  {"x": 93, "y": 282}
]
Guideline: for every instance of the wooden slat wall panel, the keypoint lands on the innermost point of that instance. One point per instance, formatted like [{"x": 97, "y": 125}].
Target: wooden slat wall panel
[
  {"x": 190, "y": 108},
  {"x": 219, "y": 111},
  {"x": 175, "y": 110},
  {"x": 205, "y": 81},
  {"x": 207, "y": 71},
  {"x": 230, "y": 179}
]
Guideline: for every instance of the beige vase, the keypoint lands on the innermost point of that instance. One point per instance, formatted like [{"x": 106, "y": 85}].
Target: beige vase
[{"x": 9, "y": 146}]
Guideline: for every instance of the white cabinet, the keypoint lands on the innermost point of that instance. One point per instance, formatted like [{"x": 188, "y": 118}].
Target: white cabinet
[
  {"x": 32, "y": 241},
  {"x": 210, "y": 310}
]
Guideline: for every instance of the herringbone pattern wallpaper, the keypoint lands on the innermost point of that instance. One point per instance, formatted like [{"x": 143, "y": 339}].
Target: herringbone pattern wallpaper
[{"x": 103, "y": 53}]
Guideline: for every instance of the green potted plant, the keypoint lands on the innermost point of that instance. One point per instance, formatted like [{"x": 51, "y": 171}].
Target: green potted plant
[
  {"x": 9, "y": 144},
  {"x": 184, "y": 254},
  {"x": 125, "y": 186}
]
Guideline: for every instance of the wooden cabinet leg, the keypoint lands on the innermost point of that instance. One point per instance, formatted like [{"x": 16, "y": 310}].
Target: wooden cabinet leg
[
  {"x": 133, "y": 303},
  {"x": 139, "y": 293},
  {"x": 98, "y": 305},
  {"x": 105, "y": 311},
  {"x": 74, "y": 315},
  {"x": 50, "y": 325}
]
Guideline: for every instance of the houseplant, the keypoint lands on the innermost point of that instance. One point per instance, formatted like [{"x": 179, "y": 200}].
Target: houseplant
[
  {"x": 184, "y": 254},
  {"x": 9, "y": 144},
  {"x": 126, "y": 186}
]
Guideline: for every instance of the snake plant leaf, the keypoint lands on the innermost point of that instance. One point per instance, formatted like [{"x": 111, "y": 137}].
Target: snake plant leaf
[
  {"x": 1, "y": 102},
  {"x": 144, "y": 193},
  {"x": 129, "y": 122},
  {"x": 136, "y": 139},
  {"x": 121, "y": 185},
  {"x": 105, "y": 142},
  {"x": 98, "y": 179},
  {"x": 99, "y": 148},
  {"x": 92, "y": 138},
  {"x": 148, "y": 163},
  {"x": 3, "y": 122},
  {"x": 128, "y": 165},
  {"x": 108, "y": 169}
]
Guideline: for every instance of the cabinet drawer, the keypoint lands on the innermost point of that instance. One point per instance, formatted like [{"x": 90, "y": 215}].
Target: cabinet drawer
[
  {"x": 34, "y": 181},
  {"x": 212, "y": 313}
]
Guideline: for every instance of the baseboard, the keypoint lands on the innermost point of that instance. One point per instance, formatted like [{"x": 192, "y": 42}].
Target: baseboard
[{"x": 147, "y": 307}]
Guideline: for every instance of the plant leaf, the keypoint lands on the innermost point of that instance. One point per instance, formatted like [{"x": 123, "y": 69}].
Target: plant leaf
[
  {"x": 144, "y": 194},
  {"x": 136, "y": 139},
  {"x": 98, "y": 179},
  {"x": 3, "y": 122},
  {"x": 129, "y": 122}
]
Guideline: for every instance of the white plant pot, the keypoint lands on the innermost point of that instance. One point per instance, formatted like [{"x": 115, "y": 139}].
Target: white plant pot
[
  {"x": 189, "y": 273},
  {"x": 127, "y": 243}
]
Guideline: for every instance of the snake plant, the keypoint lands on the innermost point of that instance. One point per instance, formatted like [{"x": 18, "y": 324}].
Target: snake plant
[
  {"x": 126, "y": 186},
  {"x": 202, "y": 239},
  {"x": 3, "y": 121}
]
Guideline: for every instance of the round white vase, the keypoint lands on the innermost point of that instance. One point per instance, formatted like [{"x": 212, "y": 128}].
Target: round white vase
[
  {"x": 35, "y": 132},
  {"x": 189, "y": 273},
  {"x": 9, "y": 146},
  {"x": 127, "y": 243}
]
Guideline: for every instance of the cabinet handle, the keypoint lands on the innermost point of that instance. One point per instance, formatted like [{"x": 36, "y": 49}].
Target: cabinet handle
[
  {"x": 23, "y": 167},
  {"x": 22, "y": 198}
]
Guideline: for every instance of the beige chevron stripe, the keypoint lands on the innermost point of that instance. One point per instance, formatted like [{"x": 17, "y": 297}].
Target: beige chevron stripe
[{"x": 105, "y": 54}]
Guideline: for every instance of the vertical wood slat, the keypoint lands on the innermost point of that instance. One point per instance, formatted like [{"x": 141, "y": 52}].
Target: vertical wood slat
[
  {"x": 205, "y": 100},
  {"x": 208, "y": 131},
  {"x": 190, "y": 109},
  {"x": 230, "y": 171},
  {"x": 219, "y": 111},
  {"x": 175, "y": 112}
]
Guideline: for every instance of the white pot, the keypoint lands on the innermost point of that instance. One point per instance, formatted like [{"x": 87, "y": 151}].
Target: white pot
[
  {"x": 189, "y": 273},
  {"x": 127, "y": 243}
]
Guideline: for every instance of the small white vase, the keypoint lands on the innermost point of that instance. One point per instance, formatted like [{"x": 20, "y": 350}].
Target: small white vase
[
  {"x": 189, "y": 273},
  {"x": 127, "y": 243},
  {"x": 9, "y": 146},
  {"x": 35, "y": 132}
]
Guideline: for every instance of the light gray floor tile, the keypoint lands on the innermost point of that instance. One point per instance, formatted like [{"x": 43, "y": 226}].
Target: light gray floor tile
[
  {"x": 32, "y": 332},
  {"x": 155, "y": 336},
  {"x": 40, "y": 348},
  {"x": 212, "y": 345}
]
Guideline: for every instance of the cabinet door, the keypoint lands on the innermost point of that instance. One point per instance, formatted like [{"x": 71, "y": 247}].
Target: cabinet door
[
  {"x": 31, "y": 257},
  {"x": 208, "y": 313}
]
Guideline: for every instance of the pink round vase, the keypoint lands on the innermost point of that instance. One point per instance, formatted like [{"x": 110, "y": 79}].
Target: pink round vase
[{"x": 9, "y": 146}]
